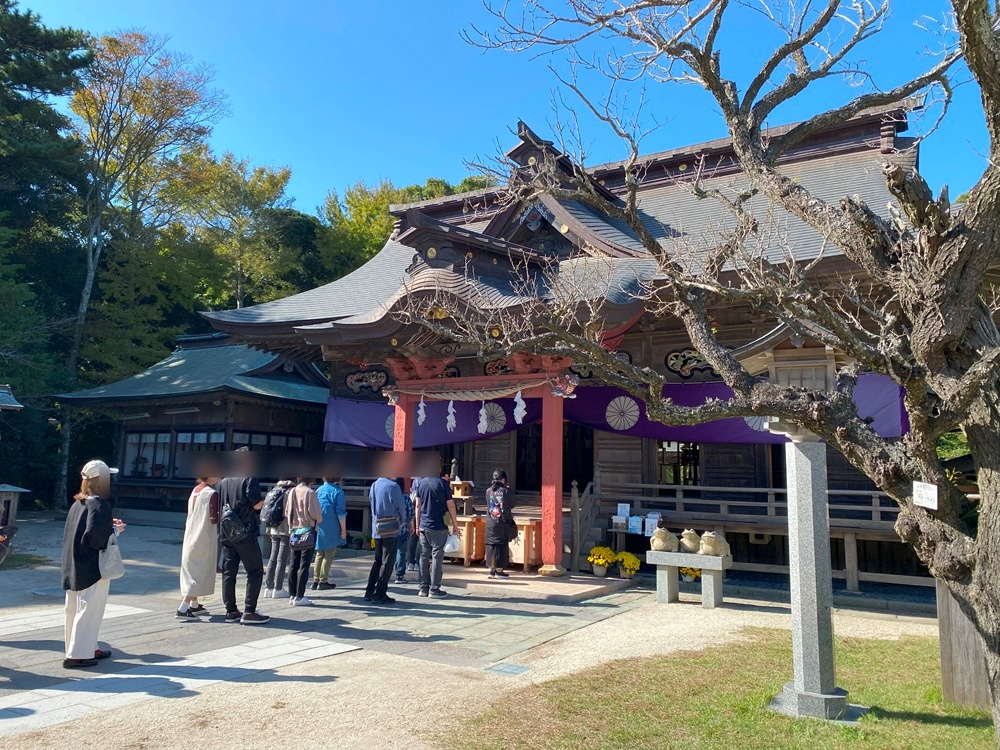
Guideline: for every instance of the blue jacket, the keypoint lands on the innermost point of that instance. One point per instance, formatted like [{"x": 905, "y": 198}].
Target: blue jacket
[
  {"x": 334, "y": 505},
  {"x": 386, "y": 499}
]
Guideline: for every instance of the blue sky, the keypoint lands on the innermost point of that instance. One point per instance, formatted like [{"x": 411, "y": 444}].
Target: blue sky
[{"x": 342, "y": 91}]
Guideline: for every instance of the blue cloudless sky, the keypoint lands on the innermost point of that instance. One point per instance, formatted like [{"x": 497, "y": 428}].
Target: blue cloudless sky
[{"x": 342, "y": 91}]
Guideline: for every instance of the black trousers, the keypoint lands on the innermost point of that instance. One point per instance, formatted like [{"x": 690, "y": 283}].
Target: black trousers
[
  {"x": 246, "y": 551},
  {"x": 298, "y": 571},
  {"x": 498, "y": 556},
  {"x": 385, "y": 559}
]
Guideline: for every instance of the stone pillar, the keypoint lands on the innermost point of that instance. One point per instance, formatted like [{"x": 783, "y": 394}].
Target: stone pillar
[
  {"x": 813, "y": 692},
  {"x": 552, "y": 474}
]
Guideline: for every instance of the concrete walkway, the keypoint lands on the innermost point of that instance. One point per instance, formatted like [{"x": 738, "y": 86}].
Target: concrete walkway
[{"x": 430, "y": 661}]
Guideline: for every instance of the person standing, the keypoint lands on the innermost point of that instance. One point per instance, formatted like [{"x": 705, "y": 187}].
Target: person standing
[
  {"x": 198, "y": 555},
  {"x": 242, "y": 494},
  {"x": 89, "y": 526},
  {"x": 407, "y": 531},
  {"x": 433, "y": 501},
  {"x": 303, "y": 514},
  {"x": 332, "y": 530},
  {"x": 388, "y": 511},
  {"x": 500, "y": 526},
  {"x": 277, "y": 561}
]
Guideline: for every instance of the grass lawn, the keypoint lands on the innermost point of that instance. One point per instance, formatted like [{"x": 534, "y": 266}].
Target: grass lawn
[
  {"x": 15, "y": 561},
  {"x": 719, "y": 699}
]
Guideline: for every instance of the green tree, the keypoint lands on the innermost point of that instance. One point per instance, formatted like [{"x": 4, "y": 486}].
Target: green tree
[
  {"x": 233, "y": 212},
  {"x": 361, "y": 222},
  {"x": 141, "y": 106},
  {"x": 40, "y": 171}
]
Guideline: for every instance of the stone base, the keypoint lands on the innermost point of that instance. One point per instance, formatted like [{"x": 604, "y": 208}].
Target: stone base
[
  {"x": 827, "y": 706},
  {"x": 553, "y": 571}
]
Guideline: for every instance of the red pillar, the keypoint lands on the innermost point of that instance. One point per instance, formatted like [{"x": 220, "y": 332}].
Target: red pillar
[
  {"x": 402, "y": 432},
  {"x": 552, "y": 476}
]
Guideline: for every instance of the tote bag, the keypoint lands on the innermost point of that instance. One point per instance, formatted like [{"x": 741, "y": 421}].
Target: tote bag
[{"x": 110, "y": 560}]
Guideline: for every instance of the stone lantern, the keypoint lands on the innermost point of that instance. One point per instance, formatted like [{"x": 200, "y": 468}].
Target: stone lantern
[{"x": 9, "y": 494}]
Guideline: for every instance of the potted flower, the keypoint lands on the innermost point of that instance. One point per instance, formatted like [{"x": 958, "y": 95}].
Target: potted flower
[
  {"x": 628, "y": 564},
  {"x": 690, "y": 574},
  {"x": 601, "y": 558}
]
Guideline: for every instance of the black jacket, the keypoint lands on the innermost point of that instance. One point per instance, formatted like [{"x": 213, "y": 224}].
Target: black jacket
[
  {"x": 241, "y": 494},
  {"x": 500, "y": 525},
  {"x": 88, "y": 528}
]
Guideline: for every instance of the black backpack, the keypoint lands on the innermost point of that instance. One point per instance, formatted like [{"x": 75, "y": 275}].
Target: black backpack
[{"x": 272, "y": 512}]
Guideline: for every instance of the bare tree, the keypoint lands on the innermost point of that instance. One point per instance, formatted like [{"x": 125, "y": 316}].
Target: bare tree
[{"x": 917, "y": 308}]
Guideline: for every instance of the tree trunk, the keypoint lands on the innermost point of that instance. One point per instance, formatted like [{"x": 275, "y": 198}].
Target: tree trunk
[
  {"x": 62, "y": 482},
  {"x": 95, "y": 244}
]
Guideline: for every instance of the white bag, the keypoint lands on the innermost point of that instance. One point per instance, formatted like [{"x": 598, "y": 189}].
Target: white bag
[
  {"x": 453, "y": 545},
  {"x": 110, "y": 560}
]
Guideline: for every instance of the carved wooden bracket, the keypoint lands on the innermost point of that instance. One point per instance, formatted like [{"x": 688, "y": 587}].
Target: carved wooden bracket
[{"x": 413, "y": 368}]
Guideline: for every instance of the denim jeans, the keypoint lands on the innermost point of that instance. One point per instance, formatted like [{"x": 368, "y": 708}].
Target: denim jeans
[
  {"x": 274, "y": 577},
  {"x": 413, "y": 550},
  {"x": 246, "y": 551},
  {"x": 298, "y": 571},
  {"x": 431, "y": 558},
  {"x": 404, "y": 539},
  {"x": 385, "y": 556}
]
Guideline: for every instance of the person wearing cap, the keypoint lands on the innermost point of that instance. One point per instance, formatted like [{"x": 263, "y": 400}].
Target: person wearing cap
[{"x": 89, "y": 526}]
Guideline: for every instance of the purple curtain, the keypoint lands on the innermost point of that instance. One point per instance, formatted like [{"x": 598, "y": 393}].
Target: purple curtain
[{"x": 601, "y": 407}]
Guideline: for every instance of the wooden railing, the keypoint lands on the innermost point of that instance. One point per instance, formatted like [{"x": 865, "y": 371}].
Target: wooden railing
[{"x": 739, "y": 506}]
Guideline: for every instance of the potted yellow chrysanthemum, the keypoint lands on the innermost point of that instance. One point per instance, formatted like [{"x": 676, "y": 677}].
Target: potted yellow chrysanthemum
[
  {"x": 690, "y": 574},
  {"x": 601, "y": 558},
  {"x": 628, "y": 564}
]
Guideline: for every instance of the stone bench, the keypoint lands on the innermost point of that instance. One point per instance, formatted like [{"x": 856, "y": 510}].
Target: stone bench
[{"x": 668, "y": 565}]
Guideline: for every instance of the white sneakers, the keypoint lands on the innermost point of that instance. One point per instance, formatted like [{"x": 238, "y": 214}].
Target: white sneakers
[
  {"x": 274, "y": 594},
  {"x": 303, "y": 601}
]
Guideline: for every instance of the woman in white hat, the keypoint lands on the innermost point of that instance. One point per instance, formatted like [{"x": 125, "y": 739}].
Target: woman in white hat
[{"x": 89, "y": 526}]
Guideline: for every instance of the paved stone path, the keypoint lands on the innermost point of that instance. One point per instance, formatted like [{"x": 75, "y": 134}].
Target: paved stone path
[
  {"x": 66, "y": 701},
  {"x": 156, "y": 655}
]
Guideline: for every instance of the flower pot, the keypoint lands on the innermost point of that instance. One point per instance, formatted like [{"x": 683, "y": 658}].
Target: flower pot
[
  {"x": 600, "y": 571},
  {"x": 356, "y": 543},
  {"x": 688, "y": 579},
  {"x": 622, "y": 573}
]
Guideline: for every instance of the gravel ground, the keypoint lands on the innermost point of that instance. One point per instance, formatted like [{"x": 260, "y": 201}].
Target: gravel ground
[{"x": 366, "y": 700}]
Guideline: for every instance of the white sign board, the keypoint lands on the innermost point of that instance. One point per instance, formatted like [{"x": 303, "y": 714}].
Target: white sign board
[
  {"x": 925, "y": 495},
  {"x": 624, "y": 509}
]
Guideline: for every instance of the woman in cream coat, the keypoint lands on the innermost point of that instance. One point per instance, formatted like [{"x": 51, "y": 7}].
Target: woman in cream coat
[{"x": 198, "y": 555}]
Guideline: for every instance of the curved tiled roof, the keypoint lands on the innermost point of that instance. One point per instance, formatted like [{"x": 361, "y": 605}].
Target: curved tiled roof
[
  {"x": 353, "y": 294},
  {"x": 205, "y": 369}
]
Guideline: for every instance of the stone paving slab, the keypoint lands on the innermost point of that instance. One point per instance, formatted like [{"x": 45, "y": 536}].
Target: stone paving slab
[
  {"x": 35, "y": 709},
  {"x": 53, "y": 617}
]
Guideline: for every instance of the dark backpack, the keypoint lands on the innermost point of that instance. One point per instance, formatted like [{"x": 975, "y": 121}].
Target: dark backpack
[{"x": 272, "y": 512}]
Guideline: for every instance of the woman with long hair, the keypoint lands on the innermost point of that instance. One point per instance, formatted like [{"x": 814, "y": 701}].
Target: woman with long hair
[
  {"x": 198, "y": 555},
  {"x": 500, "y": 525},
  {"x": 89, "y": 526}
]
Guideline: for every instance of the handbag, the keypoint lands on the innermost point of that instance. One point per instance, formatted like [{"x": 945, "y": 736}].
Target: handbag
[
  {"x": 109, "y": 561},
  {"x": 387, "y": 527},
  {"x": 303, "y": 537}
]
